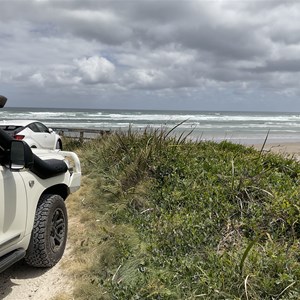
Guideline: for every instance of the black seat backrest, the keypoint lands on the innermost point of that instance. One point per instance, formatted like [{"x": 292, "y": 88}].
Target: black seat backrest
[
  {"x": 48, "y": 168},
  {"x": 5, "y": 140},
  {"x": 42, "y": 168}
]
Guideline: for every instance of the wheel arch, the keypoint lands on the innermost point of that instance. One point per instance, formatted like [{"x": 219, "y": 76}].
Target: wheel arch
[
  {"x": 59, "y": 141},
  {"x": 58, "y": 189}
]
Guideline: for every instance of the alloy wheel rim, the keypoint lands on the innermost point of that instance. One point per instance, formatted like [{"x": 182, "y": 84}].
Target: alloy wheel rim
[{"x": 58, "y": 229}]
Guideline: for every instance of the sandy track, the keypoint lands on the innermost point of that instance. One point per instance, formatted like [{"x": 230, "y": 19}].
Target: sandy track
[{"x": 21, "y": 282}]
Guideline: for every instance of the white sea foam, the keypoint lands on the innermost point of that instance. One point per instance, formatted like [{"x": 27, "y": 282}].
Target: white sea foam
[{"x": 215, "y": 124}]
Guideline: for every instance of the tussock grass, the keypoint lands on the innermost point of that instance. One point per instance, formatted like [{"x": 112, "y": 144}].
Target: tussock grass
[{"x": 165, "y": 218}]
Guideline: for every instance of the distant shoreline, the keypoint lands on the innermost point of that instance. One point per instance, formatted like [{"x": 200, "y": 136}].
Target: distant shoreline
[{"x": 289, "y": 147}]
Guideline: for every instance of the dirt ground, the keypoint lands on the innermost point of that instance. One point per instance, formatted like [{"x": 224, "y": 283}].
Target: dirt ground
[{"x": 21, "y": 282}]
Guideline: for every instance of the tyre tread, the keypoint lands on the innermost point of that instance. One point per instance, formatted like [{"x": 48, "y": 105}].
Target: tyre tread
[{"x": 37, "y": 253}]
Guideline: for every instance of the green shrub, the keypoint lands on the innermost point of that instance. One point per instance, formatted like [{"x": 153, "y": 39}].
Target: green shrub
[{"x": 191, "y": 220}]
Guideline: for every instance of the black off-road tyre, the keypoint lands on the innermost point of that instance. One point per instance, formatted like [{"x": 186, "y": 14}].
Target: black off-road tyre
[{"x": 49, "y": 234}]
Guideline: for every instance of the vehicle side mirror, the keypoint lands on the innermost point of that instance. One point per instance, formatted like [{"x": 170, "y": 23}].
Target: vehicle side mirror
[
  {"x": 21, "y": 155},
  {"x": 2, "y": 101},
  {"x": 50, "y": 130}
]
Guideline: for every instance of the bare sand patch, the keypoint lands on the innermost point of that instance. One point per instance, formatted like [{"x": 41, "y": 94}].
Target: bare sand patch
[
  {"x": 21, "y": 282},
  {"x": 289, "y": 149}
]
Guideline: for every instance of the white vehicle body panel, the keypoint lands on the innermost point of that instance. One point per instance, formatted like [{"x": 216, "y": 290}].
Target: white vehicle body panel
[
  {"x": 35, "y": 139},
  {"x": 13, "y": 207},
  {"x": 43, "y": 140},
  {"x": 20, "y": 193}
]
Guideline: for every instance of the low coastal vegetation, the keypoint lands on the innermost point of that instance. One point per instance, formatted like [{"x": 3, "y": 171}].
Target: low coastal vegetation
[{"x": 160, "y": 217}]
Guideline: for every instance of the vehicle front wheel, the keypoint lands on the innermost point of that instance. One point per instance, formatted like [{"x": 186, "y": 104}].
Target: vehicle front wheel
[{"x": 49, "y": 234}]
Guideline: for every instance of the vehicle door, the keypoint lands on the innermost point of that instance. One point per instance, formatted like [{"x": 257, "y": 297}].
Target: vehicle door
[
  {"x": 13, "y": 208},
  {"x": 42, "y": 136}
]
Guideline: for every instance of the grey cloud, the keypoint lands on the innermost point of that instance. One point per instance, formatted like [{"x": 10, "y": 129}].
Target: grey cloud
[
  {"x": 291, "y": 37},
  {"x": 158, "y": 12},
  {"x": 149, "y": 45},
  {"x": 230, "y": 43},
  {"x": 284, "y": 65},
  {"x": 110, "y": 34}
]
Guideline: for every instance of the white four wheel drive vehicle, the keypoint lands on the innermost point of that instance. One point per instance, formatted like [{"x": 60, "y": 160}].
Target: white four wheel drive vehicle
[{"x": 33, "y": 190}]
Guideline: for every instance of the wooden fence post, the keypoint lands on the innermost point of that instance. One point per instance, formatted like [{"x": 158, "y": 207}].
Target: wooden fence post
[{"x": 81, "y": 136}]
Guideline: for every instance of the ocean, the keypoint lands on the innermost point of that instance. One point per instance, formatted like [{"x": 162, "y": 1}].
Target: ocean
[{"x": 239, "y": 127}]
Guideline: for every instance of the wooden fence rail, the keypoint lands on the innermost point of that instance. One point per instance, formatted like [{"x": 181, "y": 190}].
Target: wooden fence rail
[{"x": 80, "y": 133}]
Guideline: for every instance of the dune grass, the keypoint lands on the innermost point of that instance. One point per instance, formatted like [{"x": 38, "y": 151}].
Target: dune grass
[{"x": 160, "y": 217}]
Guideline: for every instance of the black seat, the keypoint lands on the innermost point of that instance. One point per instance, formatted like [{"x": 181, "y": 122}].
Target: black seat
[
  {"x": 5, "y": 140},
  {"x": 42, "y": 168},
  {"x": 48, "y": 168}
]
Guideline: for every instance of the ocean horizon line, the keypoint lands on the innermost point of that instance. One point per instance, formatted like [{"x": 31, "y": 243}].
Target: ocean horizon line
[{"x": 148, "y": 109}]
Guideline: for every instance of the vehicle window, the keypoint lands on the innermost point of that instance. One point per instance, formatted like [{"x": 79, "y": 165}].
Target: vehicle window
[
  {"x": 33, "y": 127},
  {"x": 42, "y": 127}
]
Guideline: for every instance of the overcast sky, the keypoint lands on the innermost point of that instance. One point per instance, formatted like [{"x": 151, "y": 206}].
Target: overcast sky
[{"x": 151, "y": 54}]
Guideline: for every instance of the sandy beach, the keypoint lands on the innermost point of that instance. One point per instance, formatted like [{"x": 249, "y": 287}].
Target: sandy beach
[{"x": 289, "y": 149}]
